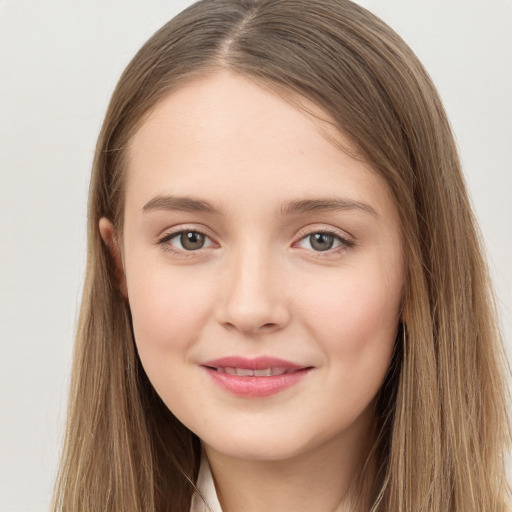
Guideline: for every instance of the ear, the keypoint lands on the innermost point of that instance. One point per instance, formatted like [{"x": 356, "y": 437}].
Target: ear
[{"x": 108, "y": 234}]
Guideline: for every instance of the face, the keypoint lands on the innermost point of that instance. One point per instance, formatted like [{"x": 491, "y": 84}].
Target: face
[{"x": 263, "y": 270}]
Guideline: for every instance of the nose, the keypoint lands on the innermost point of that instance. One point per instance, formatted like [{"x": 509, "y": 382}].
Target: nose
[{"x": 253, "y": 298}]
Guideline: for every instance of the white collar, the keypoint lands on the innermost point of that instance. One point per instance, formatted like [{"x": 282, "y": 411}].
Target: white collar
[{"x": 206, "y": 499}]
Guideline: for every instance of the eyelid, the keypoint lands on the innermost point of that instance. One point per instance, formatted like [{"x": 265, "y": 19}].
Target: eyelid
[
  {"x": 347, "y": 240},
  {"x": 171, "y": 233}
]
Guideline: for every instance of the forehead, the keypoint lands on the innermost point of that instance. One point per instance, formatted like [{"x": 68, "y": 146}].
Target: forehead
[{"x": 224, "y": 133}]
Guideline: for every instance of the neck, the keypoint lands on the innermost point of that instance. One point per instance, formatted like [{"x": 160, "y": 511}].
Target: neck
[{"x": 325, "y": 479}]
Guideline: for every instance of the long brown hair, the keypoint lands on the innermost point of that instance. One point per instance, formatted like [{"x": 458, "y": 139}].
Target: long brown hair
[{"x": 441, "y": 415}]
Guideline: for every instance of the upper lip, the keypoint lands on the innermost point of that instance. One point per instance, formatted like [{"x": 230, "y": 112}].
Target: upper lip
[{"x": 257, "y": 363}]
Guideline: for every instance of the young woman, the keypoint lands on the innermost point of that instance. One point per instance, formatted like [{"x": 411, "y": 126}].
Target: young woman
[{"x": 286, "y": 305}]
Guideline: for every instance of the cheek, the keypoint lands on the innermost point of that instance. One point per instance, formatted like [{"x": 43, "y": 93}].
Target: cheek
[
  {"x": 354, "y": 316},
  {"x": 168, "y": 310},
  {"x": 354, "y": 322}
]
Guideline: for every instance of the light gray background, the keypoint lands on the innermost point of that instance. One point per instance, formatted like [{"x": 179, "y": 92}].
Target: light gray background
[{"x": 59, "y": 61}]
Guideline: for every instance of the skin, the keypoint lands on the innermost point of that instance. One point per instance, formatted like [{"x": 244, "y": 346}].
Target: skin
[{"x": 259, "y": 286}]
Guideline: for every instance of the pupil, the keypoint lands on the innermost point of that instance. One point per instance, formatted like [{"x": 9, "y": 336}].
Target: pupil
[
  {"x": 322, "y": 241},
  {"x": 192, "y": 240}
]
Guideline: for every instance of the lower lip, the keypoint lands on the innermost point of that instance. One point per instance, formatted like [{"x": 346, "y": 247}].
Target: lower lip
[{"x": 256, "y": 387}]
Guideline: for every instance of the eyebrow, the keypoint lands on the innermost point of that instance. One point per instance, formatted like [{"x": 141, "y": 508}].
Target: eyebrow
[
  {"x": 326, "y": 205},
  {"x": 179, "y": 203},
  {"x": 192, "y": 204}
]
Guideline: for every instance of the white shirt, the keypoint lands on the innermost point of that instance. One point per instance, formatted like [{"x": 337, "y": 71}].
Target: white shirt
[{"x": 206, "y": 487}]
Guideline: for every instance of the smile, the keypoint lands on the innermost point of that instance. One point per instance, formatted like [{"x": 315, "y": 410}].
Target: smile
[
  {"x": 254, "y": 378},
  {"x": 248, "y": 372}
]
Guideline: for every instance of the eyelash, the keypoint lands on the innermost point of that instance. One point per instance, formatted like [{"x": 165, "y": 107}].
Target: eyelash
[
  {"x": 345, "y": 243},
  {"x": 166, "y": 246}
]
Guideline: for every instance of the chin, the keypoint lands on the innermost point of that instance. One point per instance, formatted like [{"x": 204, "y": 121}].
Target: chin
[{"x": 259, "y": 445}]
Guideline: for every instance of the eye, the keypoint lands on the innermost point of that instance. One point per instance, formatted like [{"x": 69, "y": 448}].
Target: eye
[
  {"x": 322, "y": 241},
  {"x": 186, "y": 240}
]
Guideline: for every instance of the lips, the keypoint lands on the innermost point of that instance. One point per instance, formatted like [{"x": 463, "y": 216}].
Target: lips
[
  {"x": 247, "y": 372},
  {"x": 259, "y": 377}
]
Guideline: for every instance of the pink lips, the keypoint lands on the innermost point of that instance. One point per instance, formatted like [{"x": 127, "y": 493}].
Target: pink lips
[{"x": 259, "y": 377}]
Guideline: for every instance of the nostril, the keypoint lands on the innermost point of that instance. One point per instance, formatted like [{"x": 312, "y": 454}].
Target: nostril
[
  {"x": 269, "y": 326},
  {"x": 251, "y": 316}
]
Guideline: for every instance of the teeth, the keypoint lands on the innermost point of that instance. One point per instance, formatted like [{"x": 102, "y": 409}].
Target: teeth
[
  {"x": 263, "y": 373},
  {"x": 244, "y": 372},
  {"x": 247, "y": 372}
]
